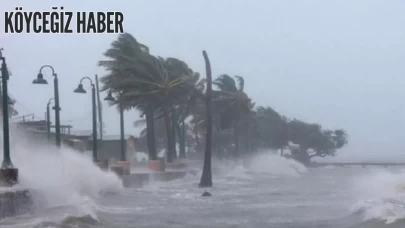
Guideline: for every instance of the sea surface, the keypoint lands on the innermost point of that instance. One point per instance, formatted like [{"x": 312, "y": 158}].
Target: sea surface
[{"x": 268, "y": 191}]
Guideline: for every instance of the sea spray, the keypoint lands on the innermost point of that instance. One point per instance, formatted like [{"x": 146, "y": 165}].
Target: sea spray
[
  {"x": 59, "y": 177},
  {"x": 266, "y": 163},
  {"x": 381, "y": 195},
  {"x": 269, "y": 163}
]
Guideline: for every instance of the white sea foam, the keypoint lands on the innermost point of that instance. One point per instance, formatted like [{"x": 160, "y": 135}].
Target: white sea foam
[
  {"x": 382, "y": 195},
  {"x": 265, "y": 163},
  {"x": 59, "y": 177},
  {"x": 273, "y": 164}
]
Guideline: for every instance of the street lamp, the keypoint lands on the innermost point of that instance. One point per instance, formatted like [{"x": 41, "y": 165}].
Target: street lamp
[
  {"x": 122, "y": 140},
  {"x": 80, "y": 89},
  {"x": 123, "y": 164},
  {"x": 8, "y": 174},
  {"x": 48, "y": 120},
  {"x": 40, "y": 80}
]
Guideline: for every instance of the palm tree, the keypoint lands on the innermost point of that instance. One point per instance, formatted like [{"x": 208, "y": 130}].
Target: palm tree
[
  {"x": 206, "y": 177},
  {"x": 234, "y": 105},
  {"x": 150, "y": 84},
  {"x": 129, "y": 61},
  {"x": 159, "y": 129},
  {"x": 183, "y": 79},
  {"x": 192, "y": 98}
]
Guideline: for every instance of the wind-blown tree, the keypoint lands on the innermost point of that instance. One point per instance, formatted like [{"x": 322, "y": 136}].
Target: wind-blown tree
[
  {"x": 197, "y": 125},
  {"x": 271, "y": 128},
  {"x": 159, "y": 129},
  {"x": 167, "y": 92},
  {"x": 131, "y": 70},
  {"x": 150, "y": 84},
  {"x": 206, "y": 177},
  {"x": 311, "y": 137},
  {"x": 234, "y": 106},
  {"x": 190, "y": 89},
  {"x": 192, "y": 97}
]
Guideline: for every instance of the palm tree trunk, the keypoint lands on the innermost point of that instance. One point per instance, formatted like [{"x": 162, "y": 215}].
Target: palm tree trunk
[
  {"x": 173, "y": 129},
  {"x": 219, "y": 148},
  {"x": 169, "y": 135},
  {"x": 247, "y": 137},
  {"x": 182, "y": 139},
  {"x": 150, "y": 133},
  {"x": 236, "y": 140},
  {"x": 197, "y": 139},
  {"x": 206, "y": 177}
]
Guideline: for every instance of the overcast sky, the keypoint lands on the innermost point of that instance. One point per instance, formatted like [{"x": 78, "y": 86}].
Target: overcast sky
[{"x": 338, "y": 63}]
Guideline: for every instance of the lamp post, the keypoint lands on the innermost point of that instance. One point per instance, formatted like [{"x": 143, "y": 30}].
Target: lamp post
[
  {"x": 123, "y": 163},
  {"x": 122, "y": 137},
  {"x": 48, "y": 120},
  {"x": 80, "y": 89},
  {"x": 40, "y": 80},
  {"x": 8, "y": 174}
]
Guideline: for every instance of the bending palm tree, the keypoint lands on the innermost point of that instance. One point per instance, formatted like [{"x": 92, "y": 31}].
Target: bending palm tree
[
  {"x": 131, "y": 62},
  {"x": 146, "y": 82},
  {"x": 206, "y": 177},
  {"x": 235, "y": 105}
]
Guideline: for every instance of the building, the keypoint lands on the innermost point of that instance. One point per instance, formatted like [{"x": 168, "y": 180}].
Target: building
[
  {"x": 40, "y": 125},
  {"x": 110, "y": 148}
]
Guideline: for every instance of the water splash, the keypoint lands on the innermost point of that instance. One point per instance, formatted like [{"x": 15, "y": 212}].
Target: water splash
[
  {"x": 239, "y": 172},
  {"x": 61, "y": 177},
  {"x": 269, "y": 163},
  {"x": 266, "y": 163},
  {"x": 382, "y": 195}
]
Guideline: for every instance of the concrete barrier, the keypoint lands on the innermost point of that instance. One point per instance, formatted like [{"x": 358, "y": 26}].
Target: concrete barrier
[{"x": 14, "y": 202}]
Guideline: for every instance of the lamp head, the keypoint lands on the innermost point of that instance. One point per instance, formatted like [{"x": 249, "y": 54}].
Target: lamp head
[
  {"x": 109, "y": 97},
  {"x": 79, "y": 89},
  {"x": 40, "y": 79}
]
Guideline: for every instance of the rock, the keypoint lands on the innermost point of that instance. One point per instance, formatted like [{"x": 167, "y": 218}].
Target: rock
[{"x": 206, "y": 194}]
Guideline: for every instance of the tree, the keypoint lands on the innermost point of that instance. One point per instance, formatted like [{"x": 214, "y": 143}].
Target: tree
[
  {"x": 180, "y": 105},
  {"x": 131, "y": 72},
  {"x": 159, "y": 129},
  {"x": 271, "y": 128},
  {"x": 206, "y": 177},
  {"x": 233, "y": 105},
  {"x": 192, "y": 98},
  {"x": 153, "y": 85},
  {"x": 167, "y": 92},
  {"x": 311, "y": 137}
]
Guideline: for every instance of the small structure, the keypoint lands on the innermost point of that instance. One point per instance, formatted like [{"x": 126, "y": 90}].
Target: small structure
[
  {"x": 110, "y": 148},
  {"x": 40, "y": 125}
]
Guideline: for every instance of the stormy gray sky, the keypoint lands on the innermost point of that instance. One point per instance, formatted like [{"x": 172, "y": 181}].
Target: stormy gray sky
[{"x": 339, "y": 63}]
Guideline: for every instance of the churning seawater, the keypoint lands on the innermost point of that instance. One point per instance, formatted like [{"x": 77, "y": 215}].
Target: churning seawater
[{"x": 268, "y": 191}]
